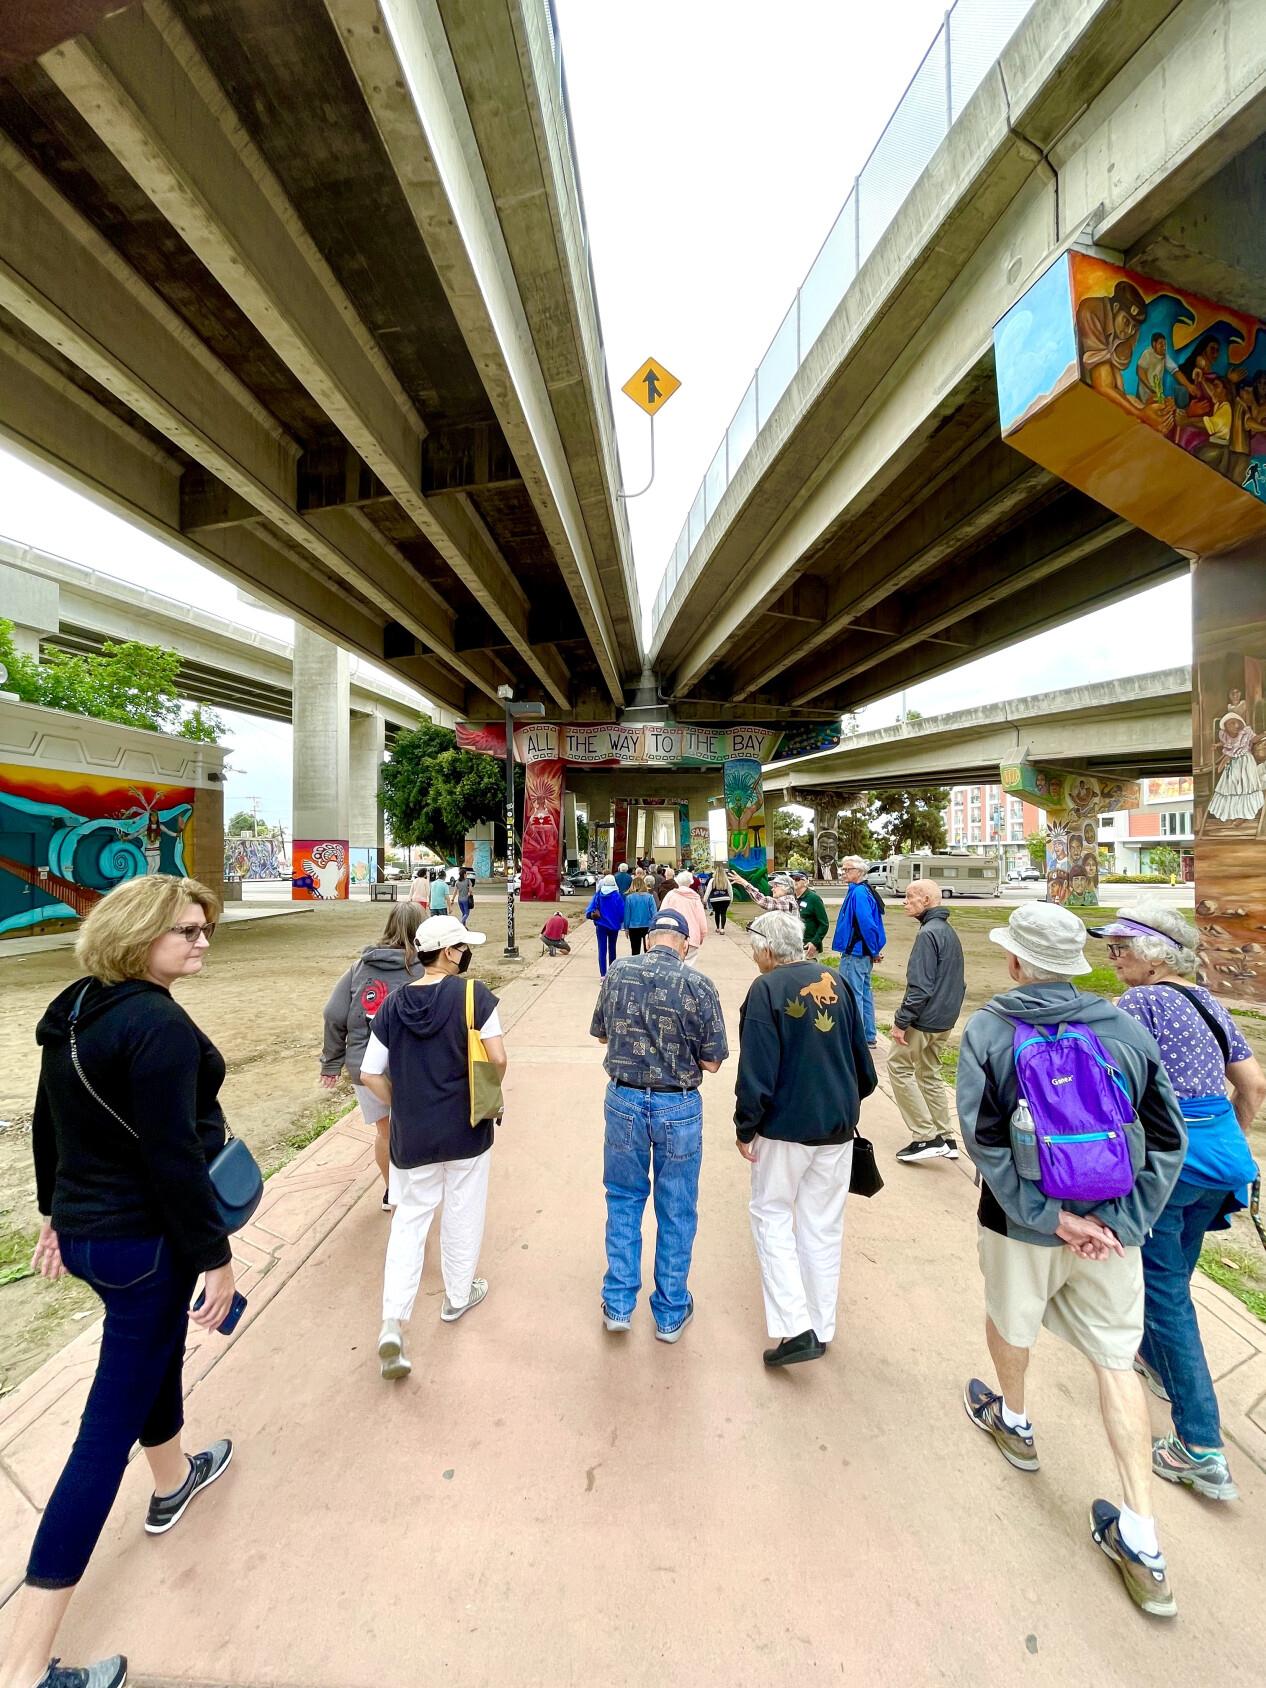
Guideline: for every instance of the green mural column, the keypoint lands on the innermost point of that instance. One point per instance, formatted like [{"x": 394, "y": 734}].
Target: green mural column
[
  {"x": 745, "y": 819},
  {"x": 1072, "y": 802}
]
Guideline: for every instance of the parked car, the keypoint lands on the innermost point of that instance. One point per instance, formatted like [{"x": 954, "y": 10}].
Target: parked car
[
  {"x": 393, "y": 870},
  {"x": 1018, "y": 874}
]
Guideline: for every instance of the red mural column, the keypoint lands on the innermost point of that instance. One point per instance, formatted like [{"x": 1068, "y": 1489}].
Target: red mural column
[
  {"x": 620, "y": 837},
  {"x": 542, "y": 831}
]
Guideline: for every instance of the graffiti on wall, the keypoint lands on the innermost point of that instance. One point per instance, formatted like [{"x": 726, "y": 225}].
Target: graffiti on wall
[
  {"x": 542, "y": 831},
  {"x": 67, "y": 838},
  {"x": 745, "y": 819},
  {"x": 700, "y": 845},
  {"x": 252, "y": 858},
  {"x": 319, "y": 870}
]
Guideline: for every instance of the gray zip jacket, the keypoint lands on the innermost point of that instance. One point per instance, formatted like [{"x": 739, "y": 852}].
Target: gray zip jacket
[
  {"x": 354, "y": 1001},
  {"x": 935, "y": 986},
  {"x": 987, "y": 1096}
]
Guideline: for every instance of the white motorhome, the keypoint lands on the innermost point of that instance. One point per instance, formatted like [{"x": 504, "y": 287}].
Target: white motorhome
[{"x": 957, "y": 875}]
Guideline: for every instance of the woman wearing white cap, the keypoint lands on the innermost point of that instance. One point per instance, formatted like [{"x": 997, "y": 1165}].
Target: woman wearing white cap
[{"x": 417, "y": 1061}]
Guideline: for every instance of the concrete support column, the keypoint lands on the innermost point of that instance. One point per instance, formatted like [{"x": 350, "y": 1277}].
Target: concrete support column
[
  {"x": 367, "y": 751},
  {"x": 321, "y": 797},
  {"x": 571, "y": 838}
]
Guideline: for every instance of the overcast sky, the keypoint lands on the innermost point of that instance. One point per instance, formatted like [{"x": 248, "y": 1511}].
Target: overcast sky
[{"x": 717, "y": 141}]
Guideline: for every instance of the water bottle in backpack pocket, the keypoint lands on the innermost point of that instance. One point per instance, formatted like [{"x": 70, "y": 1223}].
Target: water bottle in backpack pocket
[
  {"x": 1024, "y": 1143},
  {"x": 1079, "y": 1110}
]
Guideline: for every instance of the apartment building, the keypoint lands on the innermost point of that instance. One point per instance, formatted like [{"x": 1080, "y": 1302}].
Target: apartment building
[
  {"x": 1162, "y": 820},
  {"x": 982, "y": 818}
]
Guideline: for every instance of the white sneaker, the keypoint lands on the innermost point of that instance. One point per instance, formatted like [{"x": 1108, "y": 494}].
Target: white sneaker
[
  {"x": 451, "y": 1314},
  {"x": 393, "y": 1362}
]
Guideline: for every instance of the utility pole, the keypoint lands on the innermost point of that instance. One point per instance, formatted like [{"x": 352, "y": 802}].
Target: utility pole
[{"x": 513, "y": 710}]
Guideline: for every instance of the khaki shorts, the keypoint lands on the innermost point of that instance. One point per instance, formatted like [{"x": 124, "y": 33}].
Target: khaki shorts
[{"x": 1097, "y": 1305}]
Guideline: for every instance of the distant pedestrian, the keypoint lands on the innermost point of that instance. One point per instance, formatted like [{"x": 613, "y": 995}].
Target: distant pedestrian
[
  {"x": 1078, "y": 1153},
  {"x": 464, "y": 896},
  {"x": 554, "y": 933},
  {"x": 125, "y": 1126},
  {"x": 720, "y": 896},
  {"x": 860, "y": 938},
  {"x": 623, "y": 879},
  {"x": 383, "y": 967},
  {"x": 921, "y": 1027},
  {"x": 1153, "y": 949},
  {"x": 606, "y": 910},
  {"x": 437, "y": 897},
  {"x": 803, "y": 1070},
  {"x": 665, "y": 879},
  {"x": 812, "y": 913},
  {"x": 685, "y": 900},
  {"x": 417, "y": 1062},
  {"x": 639, "y": 911},
  {"x": 662, "y": 1026}
]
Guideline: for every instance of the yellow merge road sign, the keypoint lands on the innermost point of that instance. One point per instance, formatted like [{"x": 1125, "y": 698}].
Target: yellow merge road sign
[{"x": 651, "y": 387}]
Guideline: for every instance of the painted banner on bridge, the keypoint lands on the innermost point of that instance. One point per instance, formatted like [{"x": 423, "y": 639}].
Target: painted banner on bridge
[{"x": 610, "y": 744}]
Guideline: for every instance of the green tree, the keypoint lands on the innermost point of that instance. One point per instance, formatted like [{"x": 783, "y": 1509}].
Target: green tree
[
  {"x": 1163, "y": 858},
  {"x": 1036, "y": 842},
  {"x": 912, "y": 819},
  {"x": 855, "y": 836},
  {"x": 240, "y": 823},
  {"x": 131, "y": 683},
  {"x": 789, "y": 834},
  {"x": 582, "y": 829},
  {"x": 433, "y": 793}
]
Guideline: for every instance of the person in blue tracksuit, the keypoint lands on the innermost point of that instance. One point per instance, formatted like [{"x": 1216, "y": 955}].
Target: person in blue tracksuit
[
  {"x": 859, "y": 940},
  {"x": 606, "y": 910}
]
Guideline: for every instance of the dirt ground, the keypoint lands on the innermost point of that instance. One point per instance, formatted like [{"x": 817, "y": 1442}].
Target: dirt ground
[{"x": 259, "y": 998}]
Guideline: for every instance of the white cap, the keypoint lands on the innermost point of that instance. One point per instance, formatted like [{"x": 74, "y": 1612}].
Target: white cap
[
  {"x": 444, "y": 931},
  {"x": 1046, "y": 936}
]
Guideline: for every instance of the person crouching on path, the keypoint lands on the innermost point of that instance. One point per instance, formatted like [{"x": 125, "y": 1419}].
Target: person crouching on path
[
  {"x": 859, "y": 939},
  {"x": 803, "y": 1070},
  {"x": 685, "y": 901},
  {"x": 662, "y": 1026},
  {"x": 554, "y": 934},
  {"x": 935, "y": 988},
  {"x": 1073, "y": 1264},
  {"x": 382, "y": 969},
  {"x": 417, "y": 1063},
  {"x": 606, "y": 910}
]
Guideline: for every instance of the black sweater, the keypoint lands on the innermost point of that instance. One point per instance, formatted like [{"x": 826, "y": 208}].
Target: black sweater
[
  {"x": 143, "y": 1056},
  {"x": 803, "y": 1062}
]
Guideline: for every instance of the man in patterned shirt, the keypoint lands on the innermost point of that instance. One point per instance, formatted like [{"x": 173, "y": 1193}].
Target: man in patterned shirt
[{"x": 661, "y": 1022}]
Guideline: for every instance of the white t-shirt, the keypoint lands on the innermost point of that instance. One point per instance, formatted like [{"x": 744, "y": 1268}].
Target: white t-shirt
[{"x": 377, "y": 1054}]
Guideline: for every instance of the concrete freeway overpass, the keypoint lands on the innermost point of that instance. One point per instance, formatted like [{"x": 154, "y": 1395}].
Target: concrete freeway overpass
[
  {"x": 878, "y": 531},
  {"x": 302, "y": 287}
]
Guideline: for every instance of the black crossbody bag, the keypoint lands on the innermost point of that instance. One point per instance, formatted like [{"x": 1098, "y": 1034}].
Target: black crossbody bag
[{"x": 236, "y": 1180}]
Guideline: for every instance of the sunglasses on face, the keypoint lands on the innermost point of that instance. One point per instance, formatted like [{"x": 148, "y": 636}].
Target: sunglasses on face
[{"x": 191, "y": 934}]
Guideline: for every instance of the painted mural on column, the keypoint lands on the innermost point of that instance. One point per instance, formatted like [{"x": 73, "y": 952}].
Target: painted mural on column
[
  {"x": 319, "y": 870},
  {"x": 542, "y": 831},
  {"x": 745, "y": 819},
  {"x": 620, "y": 834},
  {"x": 1228, "y": 699},
  {"x": 67, "y": 838},
  {"x": 1073, "y": 802}
]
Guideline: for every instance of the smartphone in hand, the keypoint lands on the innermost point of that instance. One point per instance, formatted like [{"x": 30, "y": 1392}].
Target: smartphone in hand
[{"x": 236, "y": 1309}]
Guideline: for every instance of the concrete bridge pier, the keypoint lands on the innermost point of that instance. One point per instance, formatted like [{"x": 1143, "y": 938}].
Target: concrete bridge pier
[
  {"x": 321, "y": 794},
  {"x": 367, "y": 751}
]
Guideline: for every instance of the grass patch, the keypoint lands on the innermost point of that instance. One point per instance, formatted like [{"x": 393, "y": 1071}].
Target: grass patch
[
  {"x": 881, "y": 982},
  {"x": 16, "y": 1248},
  {"x": 1226, "y": 1264},
  {"x": 1102, "y": 981},
  {"x": 308, "y": 1130},
  {"x": 949, "y": 1066}
]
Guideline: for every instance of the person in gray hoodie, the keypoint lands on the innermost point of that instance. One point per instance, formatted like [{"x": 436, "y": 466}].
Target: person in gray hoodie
[
  {"x": 1074, "y": 1266},
  {"x": 382, "y": 969}
]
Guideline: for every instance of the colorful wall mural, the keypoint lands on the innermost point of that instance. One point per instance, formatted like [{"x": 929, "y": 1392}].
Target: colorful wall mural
[
  {"x": 1073, "y": 801},
  {"x": 542, "y": 831},
  {"x": 253, "y": 858},
  {"x": 608, "y": 744},
  {"x": 745, "y": 819},
  {"x": 363, "y": 868},
  {"x": 620, "y": 836},
  {"x": 67, "y": 838},
  {"x": 700, "y": 845},
  {"x": 1149, "y": 399},
  {"x": 319, "y": 870}
]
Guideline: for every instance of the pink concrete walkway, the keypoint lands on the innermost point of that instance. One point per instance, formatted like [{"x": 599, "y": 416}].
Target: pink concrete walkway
[{"x": 541, "y": 1504}]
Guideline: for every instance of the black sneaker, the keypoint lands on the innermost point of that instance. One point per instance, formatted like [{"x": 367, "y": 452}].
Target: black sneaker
[
  {"x": 793, "y": 1349},
  {"x": 106, "y": 1673},
  {"x": 928, "y": 1148},
  {"x": 386, "y": 1201},
  {"x": 204, "y": 1468}
]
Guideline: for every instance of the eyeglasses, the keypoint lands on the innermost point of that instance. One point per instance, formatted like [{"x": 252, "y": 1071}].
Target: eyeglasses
[
  {"x": 191, "y": 934},
  {"x": 1116, "y": 951}
]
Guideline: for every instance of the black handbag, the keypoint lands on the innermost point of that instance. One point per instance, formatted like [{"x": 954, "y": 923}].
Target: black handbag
[
  {"x": 865, "y": 1178},
  {"x": 236, "y": 1181}
]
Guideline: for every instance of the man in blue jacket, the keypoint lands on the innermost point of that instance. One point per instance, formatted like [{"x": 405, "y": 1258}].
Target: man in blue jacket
[{"x": 859, "y": 939}]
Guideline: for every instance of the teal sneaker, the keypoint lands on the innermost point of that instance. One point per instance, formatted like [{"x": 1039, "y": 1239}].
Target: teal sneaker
[{"x": 1208, "y": 1473}]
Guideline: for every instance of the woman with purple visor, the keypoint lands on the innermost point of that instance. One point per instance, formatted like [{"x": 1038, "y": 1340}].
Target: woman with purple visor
[{"x": 1153, "y": 949}]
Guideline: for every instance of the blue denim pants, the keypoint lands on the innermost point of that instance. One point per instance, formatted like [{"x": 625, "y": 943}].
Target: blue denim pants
[
  {"x": 855, "y": 971},
  {"x": 1171, "y": 1336},
  {"x": 667, "y": 1128},
  {"x": 606, "y": 949},
  {"x": 135, "y": 1396}
]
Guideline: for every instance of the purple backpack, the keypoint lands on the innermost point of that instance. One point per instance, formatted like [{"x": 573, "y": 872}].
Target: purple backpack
[{"x": 1079, "y": 1107}]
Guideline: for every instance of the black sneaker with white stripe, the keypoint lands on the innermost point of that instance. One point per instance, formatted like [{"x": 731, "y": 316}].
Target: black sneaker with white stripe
[
  {"x": 106, "y": 1673},
  {"x": 204, "y": 1468},
  {"x": 929, "y": 1148}
]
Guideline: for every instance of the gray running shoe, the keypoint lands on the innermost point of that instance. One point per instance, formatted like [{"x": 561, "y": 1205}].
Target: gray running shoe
[
  {"x": 204, "y": 1468},
  {"x": 393, "y": 1363},
  {"x": 1208, "y": 1474},
  {"x": 1152, "y": 1378},
  {"x": 106, "y": 1673},
  {"x": 674, "y": 1335},
  {"x": 615, "y": 1321},
  {"x": 984, "y": 1409},
  {"x": 451, "y": 1314},
  {"x": 1142, "y": 1573}
]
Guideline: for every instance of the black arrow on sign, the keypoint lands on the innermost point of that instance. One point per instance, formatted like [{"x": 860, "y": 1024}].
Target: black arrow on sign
[{"x": 651, "y": 379}]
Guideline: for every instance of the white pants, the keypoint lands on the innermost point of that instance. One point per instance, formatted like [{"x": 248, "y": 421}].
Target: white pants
[
  {"x": 797, "y": 1208},
  {"x": 462, "y": 1185}
]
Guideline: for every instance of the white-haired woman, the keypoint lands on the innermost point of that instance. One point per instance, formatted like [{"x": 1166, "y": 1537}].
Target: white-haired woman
[{"x": 1220, "y": 1087}]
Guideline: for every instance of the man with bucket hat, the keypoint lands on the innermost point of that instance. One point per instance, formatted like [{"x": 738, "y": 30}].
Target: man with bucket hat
[{"x": 1066, "y": 1110}]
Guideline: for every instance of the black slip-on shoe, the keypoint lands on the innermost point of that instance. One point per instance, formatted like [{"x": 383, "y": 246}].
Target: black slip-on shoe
[
  {"x": 106, "y": 1673},
  {"x": 204, "y": 1468},
  {"x": 792, "y": 1349}
]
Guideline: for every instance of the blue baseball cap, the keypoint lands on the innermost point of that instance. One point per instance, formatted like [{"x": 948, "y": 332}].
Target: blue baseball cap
[{"x": 668, "y": 920}]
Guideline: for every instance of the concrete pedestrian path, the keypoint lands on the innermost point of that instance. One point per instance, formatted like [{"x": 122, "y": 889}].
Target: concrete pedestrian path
[{"x": 544, "y": 1504}]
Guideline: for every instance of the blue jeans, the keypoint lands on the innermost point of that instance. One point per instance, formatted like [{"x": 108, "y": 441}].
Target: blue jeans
[
  {"x": 855, "y": 971},
  {"x": 606, "y": 949},
  {"x": 667, "y": 1126},
  {"x": 135, "y": 1396},
  {"x": 1171, "y": 1337}
]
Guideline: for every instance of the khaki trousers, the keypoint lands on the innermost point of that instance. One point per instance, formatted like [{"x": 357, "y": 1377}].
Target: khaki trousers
[{"x": 914, "y": 1070}]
